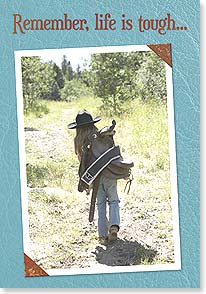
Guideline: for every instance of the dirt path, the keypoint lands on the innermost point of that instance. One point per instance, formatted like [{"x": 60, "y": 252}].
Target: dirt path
[{"x": 60, "y": 233}]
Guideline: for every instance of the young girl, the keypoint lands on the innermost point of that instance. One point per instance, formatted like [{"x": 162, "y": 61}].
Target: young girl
[{"x": 107, "y": 188}]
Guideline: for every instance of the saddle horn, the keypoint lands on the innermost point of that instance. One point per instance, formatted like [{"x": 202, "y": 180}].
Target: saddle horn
[{"x": 108, "y": 131}]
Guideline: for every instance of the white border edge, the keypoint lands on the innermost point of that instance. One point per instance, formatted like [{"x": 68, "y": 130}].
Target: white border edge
[{"x": 173, "y": 165}]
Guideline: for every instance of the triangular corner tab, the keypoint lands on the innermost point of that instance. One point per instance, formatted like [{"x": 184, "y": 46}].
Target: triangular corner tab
[
  {"x": 31, "y": 269},
  {"x": 164, "y": 51}
]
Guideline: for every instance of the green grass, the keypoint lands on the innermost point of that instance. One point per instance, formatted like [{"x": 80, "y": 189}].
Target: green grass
[{"x": 54, "y": 112}]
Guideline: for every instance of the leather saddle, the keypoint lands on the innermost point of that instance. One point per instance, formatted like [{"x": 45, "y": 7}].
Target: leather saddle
[
  {"x": 97, "y": 145},
  {"x": 118, "y": 168}
]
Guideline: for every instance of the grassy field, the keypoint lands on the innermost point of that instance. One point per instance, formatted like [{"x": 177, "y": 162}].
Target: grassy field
[{"x": 59, "y": 230}]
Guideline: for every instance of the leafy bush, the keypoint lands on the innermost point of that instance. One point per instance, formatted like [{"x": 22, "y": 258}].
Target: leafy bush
[
  {"x": 36, "y": 79},
  {"x": 120, "y": 77},
  {"x": 73, "y": 90},
  {"x": 150, "y": 81}
]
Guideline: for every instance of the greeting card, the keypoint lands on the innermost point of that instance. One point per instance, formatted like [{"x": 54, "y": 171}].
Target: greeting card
[{"x": 100, "y": 144}]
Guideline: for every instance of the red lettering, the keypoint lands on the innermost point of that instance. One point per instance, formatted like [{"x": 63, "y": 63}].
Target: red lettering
[{"x": 17, "y": 22}]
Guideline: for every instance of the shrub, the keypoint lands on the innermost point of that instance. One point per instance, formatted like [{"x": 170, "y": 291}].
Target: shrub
[
  {"x": 73, "y": 90},
  {"x": 36, "y": 79}
]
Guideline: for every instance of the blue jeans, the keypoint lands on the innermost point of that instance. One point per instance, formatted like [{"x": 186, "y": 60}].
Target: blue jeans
[{"x": 107, "y": 191}]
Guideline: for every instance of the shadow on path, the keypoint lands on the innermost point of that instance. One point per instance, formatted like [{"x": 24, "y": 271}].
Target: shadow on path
[
  {"x": 124, "y": 253},
  {"x": 28, "y": 129}
]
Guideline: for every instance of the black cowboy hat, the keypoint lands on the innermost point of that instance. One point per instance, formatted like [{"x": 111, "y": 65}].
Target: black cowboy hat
[{"x": 83, "y": 119}]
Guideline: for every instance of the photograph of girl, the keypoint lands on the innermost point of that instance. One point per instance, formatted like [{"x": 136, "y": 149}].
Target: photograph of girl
[{"x": 98, "y": 163}]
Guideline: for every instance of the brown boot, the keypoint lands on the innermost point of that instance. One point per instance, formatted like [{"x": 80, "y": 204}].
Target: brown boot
[{"x": 113, "y": 233}]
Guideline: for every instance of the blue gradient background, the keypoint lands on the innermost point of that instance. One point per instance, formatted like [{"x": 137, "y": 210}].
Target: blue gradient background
[{"x": 185, "y": 58}]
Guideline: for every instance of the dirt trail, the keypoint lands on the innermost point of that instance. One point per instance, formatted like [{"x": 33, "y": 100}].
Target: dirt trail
[{"x": 60, "y": 233}]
